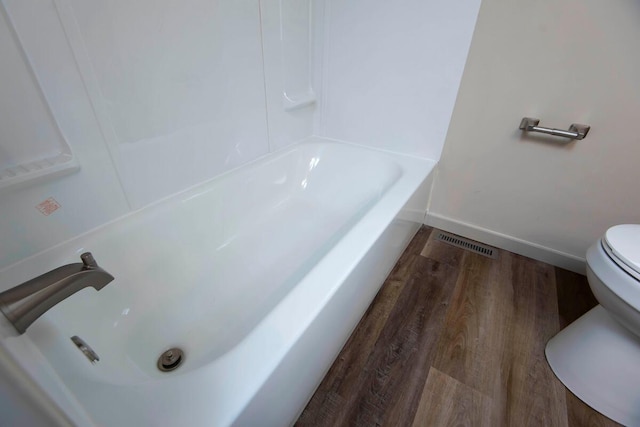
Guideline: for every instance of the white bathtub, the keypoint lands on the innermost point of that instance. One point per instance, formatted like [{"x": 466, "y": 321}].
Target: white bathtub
[{"x": 259, "y": 275}]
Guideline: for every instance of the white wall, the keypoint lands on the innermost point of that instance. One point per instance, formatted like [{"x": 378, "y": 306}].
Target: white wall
[
  {"x": 155, "y": 96},
  {"x": 89, "y": 197},
  {"x": 392, "y": 70},
  {"x": 178, "y": 87},
  {"x": 151, "y": 96},
  {"x": 563, "y": 62}
]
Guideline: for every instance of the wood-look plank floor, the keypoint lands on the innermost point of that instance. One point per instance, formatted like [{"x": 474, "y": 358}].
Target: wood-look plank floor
[{"x": 454, "y": 338}]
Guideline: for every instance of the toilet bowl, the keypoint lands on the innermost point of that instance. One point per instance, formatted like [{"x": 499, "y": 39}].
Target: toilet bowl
[
  {"x": 597, "y": 357},
  {"x": 613, "y": 272}
]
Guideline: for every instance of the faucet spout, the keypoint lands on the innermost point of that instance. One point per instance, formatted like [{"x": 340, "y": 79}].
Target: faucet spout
[{"x": 23, "y": 304}]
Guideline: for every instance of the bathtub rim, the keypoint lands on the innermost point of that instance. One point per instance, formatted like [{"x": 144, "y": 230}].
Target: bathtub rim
[{"x": 177, "y": 195}]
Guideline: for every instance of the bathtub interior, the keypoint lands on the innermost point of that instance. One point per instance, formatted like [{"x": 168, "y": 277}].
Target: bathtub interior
[
  {"x": 185, "y": 271},
  {"x": 200, "y": 270}
]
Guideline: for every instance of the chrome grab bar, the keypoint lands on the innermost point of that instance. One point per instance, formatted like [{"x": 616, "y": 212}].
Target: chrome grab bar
[{"x": 576, "y": 131}]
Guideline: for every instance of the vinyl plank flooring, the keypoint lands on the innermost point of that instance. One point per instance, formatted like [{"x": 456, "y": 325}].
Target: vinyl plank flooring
[
  {"x": 441, "y": 251},
  {"x": 402, "y": 365},
  {"x": 455, "y": 338},
  {"x": 477, "y": 324},
  {"x": 447, "y": 402},
  {"x": 400, "y": 358},
  {"x": 574, "y": 296},
  {"x": 535, "y": 396},
  {"x": 581, "y": 415},
  {"x": 334, "y": 396},
  {"x": 401, "y": 350}
]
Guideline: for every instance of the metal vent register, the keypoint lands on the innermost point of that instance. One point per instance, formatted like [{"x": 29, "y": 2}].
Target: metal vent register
[{"x": 468, "y": 245}]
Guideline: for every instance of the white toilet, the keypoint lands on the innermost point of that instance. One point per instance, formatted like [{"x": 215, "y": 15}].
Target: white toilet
[{"x": 597, "y": 357}]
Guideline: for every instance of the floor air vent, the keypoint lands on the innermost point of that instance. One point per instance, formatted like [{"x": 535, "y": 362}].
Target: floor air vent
[{"x": 469, "y": 245}]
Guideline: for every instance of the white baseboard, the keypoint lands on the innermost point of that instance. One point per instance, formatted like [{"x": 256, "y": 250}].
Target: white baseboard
[{"x": 513, "y": 244}]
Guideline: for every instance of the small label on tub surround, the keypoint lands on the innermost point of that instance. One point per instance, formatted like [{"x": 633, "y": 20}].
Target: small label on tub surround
[{"x": 49, "y": 206}]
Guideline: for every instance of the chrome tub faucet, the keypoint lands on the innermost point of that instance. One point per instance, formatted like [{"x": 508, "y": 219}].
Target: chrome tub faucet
[{"x": 23, "y": 304}]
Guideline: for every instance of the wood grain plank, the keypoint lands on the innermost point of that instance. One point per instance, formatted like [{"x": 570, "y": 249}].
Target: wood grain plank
[
  {"x": 447, "y": 402},
  {"x": 581, "y": 415},
  {"x": 440, "y": 251},
  {"x": 398, "y": 366},
  {"x": 331, "y": 400},
  {"x": 533, "y": 394},
  {"x": 574, "y": 296},
  {"x": 394, "y": 374},
  {"x": 477, "y": 323},
  {"x": 406, "y": 399}
]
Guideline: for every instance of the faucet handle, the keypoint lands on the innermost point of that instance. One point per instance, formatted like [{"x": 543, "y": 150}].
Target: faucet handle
[{"x": 88, "y": 260}]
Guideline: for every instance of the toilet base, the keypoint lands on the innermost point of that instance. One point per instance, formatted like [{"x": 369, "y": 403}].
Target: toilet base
[{"x": 599, "y": 361}]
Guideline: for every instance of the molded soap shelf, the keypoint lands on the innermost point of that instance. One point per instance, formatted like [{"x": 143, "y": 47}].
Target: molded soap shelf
[{"x": 51, "y": 167}]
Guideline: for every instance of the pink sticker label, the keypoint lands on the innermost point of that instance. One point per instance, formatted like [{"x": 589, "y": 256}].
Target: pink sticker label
[{"x": 49, "y": 206}]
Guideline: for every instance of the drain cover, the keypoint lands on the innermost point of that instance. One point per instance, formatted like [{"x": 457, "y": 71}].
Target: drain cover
[
  {"x": 170, "y": 359},
  {"x": 467, "y": 244}
]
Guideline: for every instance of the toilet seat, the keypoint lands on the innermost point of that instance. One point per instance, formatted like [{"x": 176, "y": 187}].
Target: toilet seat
[{"x": 622, "y": 244}]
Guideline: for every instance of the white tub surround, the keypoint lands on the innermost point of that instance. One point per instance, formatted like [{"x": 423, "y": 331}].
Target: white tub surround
[{"x": 259, "y": 275}]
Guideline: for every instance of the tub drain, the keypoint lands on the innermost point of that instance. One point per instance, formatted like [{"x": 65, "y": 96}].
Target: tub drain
[{"x": 170, "y": 359}]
